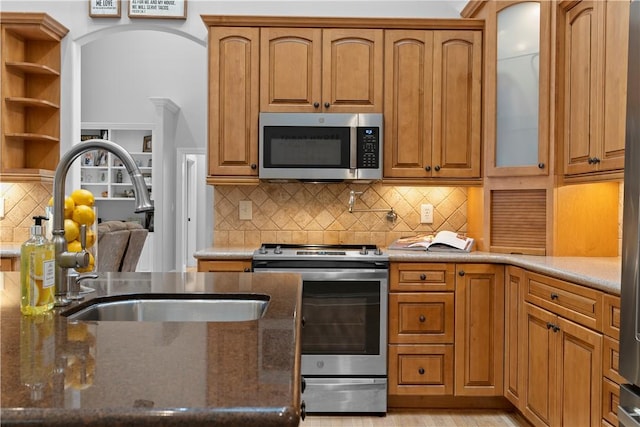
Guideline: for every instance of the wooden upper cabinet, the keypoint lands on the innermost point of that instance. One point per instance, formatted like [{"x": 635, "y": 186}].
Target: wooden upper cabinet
[
  {"x": 30, "y": 93},
  {"x": 408, "y": 105},
  {"x": 321, "y": 70},
  {"x": 291, "y": 61},
  {"x": 233, "y": 102},
  {"x": 432, "y": 104},
  {"x": 593, "y": 51},
  {"x": 517, "y": 88},
  {"x": 457, "y": 107}
]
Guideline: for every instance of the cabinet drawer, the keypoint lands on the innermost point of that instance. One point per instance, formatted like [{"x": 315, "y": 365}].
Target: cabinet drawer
[
  {"x": 233, "y": 265},
  {"x": 611, "y": 360},
  {"x": 610, "y": 401},
  {"x": 578, "y": 303},
  {"x": 414, "y": 277},
  {"x": 421, "y": 369},
  {"x": 611, "y": 321},
  {"x": 421, "y": 318}
]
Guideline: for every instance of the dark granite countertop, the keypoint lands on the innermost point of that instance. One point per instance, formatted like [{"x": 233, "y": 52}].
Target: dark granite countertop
[{"x": 67, "y": 373}]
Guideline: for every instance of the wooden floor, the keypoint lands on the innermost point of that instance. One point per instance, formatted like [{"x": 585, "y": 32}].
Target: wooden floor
[{"x": 426, "y": 418}]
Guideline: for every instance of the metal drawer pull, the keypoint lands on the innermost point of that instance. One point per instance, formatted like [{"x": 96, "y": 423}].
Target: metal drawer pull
[
  {"x": 423, "y": 277},
  {"x": 554, "y": 295},
  {"x": 421, "y": 371},
  {"x": 422, "y": 318},
  {"x": 555, "y": 328}
]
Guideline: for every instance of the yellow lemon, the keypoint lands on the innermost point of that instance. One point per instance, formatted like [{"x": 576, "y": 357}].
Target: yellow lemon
[
  {"x": 69, "y": 205},
  {"x": 82, "y": 197},
  {"x": 71, "y": 230},
  {"x": 83, "y": 214},
  {"x": 74, "y": 246},
  {"x": 90, "y": 267},
  {"x": 91, "y": 238}
]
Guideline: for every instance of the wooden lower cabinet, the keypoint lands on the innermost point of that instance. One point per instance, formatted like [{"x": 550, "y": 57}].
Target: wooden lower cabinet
[
  {"x": 513, "y": 327},
  {"x": 611, "y": 378},
  {"x": 221, "y": 266},
  {"x": 563, "y": 363},
  {"x": 10, "y": 264},
  {"x": 479, "y": 320},
  {"x": 444, "y": 342},
  {"x": 424, "y": 370}
]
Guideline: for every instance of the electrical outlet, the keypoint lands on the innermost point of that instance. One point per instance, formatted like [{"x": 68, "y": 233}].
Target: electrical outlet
[
  {"x": 245, "y": 209},
  {"x": 426, "y": 213}
]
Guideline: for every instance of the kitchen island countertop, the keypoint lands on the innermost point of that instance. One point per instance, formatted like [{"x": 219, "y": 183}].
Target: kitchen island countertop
[
  {"x": 67, "y": 373},
  {"x": 603, "y": 273}
]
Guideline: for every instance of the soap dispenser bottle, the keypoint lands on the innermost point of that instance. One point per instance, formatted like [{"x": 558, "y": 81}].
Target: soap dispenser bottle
[{"x": 37, "y": 271}]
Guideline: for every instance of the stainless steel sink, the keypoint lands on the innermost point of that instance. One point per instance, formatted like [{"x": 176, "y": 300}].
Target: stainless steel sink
[{"x": 155, "y": 308}]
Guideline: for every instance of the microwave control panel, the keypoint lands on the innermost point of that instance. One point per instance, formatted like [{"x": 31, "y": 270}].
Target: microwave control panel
[{"x": 368, "y": 147}]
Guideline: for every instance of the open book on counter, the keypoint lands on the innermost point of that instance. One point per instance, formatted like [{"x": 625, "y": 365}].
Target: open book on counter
[{"x": 441, "y": 241}]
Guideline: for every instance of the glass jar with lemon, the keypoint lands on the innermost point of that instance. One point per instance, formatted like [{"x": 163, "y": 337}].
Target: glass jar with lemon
[{"x": 79, "y": 209}]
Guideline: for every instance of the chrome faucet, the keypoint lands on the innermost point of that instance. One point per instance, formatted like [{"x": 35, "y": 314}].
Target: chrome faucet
[{"x": 64, "y": 258}]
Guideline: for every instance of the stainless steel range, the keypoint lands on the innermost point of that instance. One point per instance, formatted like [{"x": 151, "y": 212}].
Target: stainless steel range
[{"x": 344, "y": 322}]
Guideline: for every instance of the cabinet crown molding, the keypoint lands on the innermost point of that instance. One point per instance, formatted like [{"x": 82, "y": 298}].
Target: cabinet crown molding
[{"x": 330, "y": 22}]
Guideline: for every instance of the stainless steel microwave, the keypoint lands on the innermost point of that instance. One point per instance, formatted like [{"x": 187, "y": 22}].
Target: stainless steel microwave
[{"x": 320, "y": 147}]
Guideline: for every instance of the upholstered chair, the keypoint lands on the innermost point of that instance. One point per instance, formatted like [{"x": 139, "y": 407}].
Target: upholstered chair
[
  {"x": 137, "y": 237},
  {"x": 111, "y": 248}
]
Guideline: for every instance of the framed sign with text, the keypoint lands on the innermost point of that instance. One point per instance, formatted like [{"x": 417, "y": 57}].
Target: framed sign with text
[
  {"x": 176, "y": 9},
  {"x": 104, "y": 8}
]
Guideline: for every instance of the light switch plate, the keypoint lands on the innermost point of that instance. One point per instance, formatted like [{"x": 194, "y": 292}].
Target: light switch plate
[
  {"x": 426, "y": 213},
  {"x": 245, "y": 209}
]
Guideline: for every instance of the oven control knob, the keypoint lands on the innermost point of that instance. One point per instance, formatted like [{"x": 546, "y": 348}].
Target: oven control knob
[
  {"x": 378, "y": 251},
  {"x": 364, "y": 251},
  {"x": 263, "y": 249},
  {"x": 277, "y": 250}
]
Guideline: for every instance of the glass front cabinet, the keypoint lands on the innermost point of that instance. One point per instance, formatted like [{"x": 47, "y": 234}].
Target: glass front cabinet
[{"x": 519, "y": 96}]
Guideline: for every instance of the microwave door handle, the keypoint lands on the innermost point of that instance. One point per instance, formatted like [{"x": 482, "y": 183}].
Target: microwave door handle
[{"x": 353, "y": 148}]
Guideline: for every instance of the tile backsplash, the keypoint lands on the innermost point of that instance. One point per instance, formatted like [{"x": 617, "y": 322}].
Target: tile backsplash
[
  {"x": 319, "y": 213},
  {"x": 22, "y": 201}
]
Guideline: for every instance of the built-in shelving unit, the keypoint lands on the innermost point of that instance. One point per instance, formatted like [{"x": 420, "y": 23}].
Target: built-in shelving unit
[
  {"x": 102, "y": 172},
  {"x": 30, "y": 93}
]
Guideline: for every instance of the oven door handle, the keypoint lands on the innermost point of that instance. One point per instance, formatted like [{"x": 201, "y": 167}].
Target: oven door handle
[{"x": 350, "y": 384}]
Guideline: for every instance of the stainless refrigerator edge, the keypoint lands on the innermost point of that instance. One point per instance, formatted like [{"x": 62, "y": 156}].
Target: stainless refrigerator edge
[{"x": 629, "y": 409}]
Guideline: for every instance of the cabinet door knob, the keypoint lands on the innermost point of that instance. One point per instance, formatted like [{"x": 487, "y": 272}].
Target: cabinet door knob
[
  {"x": 427, "y": 168},
  {"x": 596, "y": 160},
  {"x": 437, "y": 168},
  {"x": 422, "y": 318},
  {"x": 316, "y": 104},
  {"x": 421, "y": 371},
  {"x": 423, "y": 277},
  {"x": 540, "y": 165},
  {"x": 327, "y": 105},
  {"x": 554, "y": 295},
  {"x": 461, "y": 273},
  {"x": 254, "y": 166}
]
